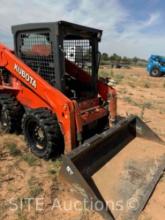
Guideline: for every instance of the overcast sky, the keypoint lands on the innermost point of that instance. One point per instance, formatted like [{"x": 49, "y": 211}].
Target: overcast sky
[{"x": 131, "y": 27}]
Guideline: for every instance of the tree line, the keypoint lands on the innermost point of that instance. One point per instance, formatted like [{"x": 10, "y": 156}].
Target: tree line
[{"x": 115, "y": 58}]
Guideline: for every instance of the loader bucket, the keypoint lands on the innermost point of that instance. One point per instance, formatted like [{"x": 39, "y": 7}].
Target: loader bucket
[{"x": 115, "y": 172}]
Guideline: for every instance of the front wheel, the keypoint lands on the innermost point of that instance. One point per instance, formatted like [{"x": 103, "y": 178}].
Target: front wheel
[
  {"x": 42, "y": 133},
  {"x": 155, "y": 72}
]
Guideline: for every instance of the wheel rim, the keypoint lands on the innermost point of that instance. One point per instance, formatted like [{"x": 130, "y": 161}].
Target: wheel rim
[
  {"x": 155, "y": 72},
  {"x": 36, "y": 135}
]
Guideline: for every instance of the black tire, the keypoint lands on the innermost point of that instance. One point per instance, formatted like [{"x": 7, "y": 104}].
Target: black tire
[
  {"x": 155, "y": 72},
  {"x": 42, "y": 133},
  {"x": 10, "y": 114}
]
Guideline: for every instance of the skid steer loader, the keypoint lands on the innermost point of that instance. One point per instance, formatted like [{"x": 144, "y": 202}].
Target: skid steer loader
[{"x": 63, "y": 107}]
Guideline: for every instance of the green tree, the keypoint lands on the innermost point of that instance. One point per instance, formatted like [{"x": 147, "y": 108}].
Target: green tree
[
  {"x": 126, "y": 60},
  {"x": 135, "y": 60},
  {"x": 104, "y": 56},
  {"x": 115, "y": 57}
]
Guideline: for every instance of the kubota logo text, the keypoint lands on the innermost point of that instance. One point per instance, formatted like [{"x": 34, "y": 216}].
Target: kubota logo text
[{"x": 25, "y": 75}]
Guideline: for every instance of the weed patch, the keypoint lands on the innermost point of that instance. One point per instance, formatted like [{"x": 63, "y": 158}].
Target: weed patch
[
  {"x": 118, "y": 78},
  {"x": 30, "y": 159},
  {"x": 34, "y": 186},
  {"x": 146, "y": 85},
  {"x": 13, "y": 150},
  {"x": 54, "y": 167},
  {"x": 145, "y": 105}
]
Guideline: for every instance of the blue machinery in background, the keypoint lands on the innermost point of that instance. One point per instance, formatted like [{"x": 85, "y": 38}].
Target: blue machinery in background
[{"x": 156, "y": 66}]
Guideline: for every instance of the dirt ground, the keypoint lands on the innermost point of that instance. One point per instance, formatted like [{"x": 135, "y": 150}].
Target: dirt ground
[
  {"x": 144, "y": 96},
  {"x": 30, "y": 188}
]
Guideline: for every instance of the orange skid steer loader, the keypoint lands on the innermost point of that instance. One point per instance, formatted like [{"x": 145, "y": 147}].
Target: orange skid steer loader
[{"x": 49, "y": 89}]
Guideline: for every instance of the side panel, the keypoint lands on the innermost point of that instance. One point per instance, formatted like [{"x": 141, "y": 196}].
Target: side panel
[{"x": 162, "y": 69}]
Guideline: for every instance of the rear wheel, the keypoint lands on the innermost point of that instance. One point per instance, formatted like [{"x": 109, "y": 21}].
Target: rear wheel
[
  {"x": 10, "y": 114},
  {"x": 155, "y": 72},
  {"x": 42, "y": 133}
]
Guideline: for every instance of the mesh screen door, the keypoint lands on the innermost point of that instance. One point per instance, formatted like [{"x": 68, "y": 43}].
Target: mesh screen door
[{"x": 36, "y": 52}]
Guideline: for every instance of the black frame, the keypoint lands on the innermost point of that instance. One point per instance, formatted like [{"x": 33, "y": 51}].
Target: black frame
[{"x": 58, "y": 31}]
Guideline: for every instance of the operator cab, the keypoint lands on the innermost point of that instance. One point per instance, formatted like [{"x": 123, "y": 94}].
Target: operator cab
[{"x": 64, "y": 54}]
